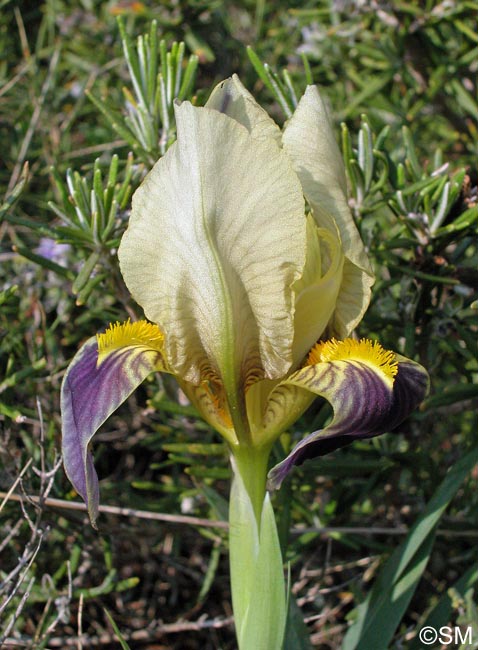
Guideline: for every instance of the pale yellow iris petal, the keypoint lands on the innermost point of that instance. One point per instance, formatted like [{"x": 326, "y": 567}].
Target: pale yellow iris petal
[
  {"x": 273, "y": 407},
  {"x": 352, "y": 300},
  {"x": 215, "y": 241},
  {"x": 210, "y": 401},
  {"x": 317, "y": 290},
  {"x": 309, "y": 141},
  {"x": 231, "y": 98}
]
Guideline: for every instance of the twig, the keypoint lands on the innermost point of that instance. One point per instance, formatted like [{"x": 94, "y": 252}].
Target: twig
[
  {"x": 6, "y": 495},
  {"x": 363, "y": 530},
  {"x": 22, "y": 34},
  {"x": 9, "y": 84},
  {"x": 211, "y": 523},
  {"x": 17, "y": 612},
  {"x": 25, "y": 561},
  {"x": 11, "y": 534},
  {"x": 94, "y": 149},
  {"x": 123, "y": 512},
  {"x": 80, "y": 623},
  {"x": 144, "y": 635}
]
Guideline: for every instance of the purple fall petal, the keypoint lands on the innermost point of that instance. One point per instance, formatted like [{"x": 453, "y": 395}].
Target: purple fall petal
[
  {"x": 89, "y": 394},
  {"x": 364, "y": 407}
]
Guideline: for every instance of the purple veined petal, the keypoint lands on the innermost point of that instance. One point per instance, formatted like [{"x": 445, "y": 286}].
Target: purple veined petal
[
  {"x": 93, "y": 389},
  {"x": 366, "y": 403}
]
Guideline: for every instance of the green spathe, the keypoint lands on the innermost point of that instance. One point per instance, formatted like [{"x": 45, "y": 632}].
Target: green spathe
[{"x": 257, "y": 577}]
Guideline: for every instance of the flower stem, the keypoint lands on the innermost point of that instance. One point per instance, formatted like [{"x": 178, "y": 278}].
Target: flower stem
[
  {"x": 257, "y": 578},
  {"x": 251, "y": 464}
]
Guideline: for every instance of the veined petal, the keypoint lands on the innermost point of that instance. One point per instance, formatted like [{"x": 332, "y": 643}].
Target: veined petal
[
  {"x": 317, "y": 290},
  {"x": 219, "y": 227},
  {"x": 233, "y": 99},
  {"x": 309, "y": 141},
  {"x": 103, "y": 373},
  {"x": 370, "y": 389},
  {"x": 273, "y": 408},
  {"x": 210, "y": 400},
  {"x": 352, "y": 300}
]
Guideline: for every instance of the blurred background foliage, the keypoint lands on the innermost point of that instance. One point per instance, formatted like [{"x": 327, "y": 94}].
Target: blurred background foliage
[{"x": 89, "y": 107}]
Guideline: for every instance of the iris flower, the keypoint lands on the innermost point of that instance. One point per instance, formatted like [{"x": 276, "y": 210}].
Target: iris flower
[{"x": 243, "y": 254}]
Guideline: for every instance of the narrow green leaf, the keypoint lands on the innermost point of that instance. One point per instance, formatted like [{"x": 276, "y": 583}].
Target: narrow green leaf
[
  {"x": 21, "y": 375},
  {"x": 297, "y": 635},
  {"x": 210, "y": 573},
  {"x": 436, "y": 279},
  {"x": 85, "y": 292},
  {"x": 411, "y": 153},
  {"x": 465, "y": 220},
  {"x": 365, "y": 152},
  {"x": 216, "y": 473},
  {"x": 195, "y": 448},
  {"x": 14, "y": 195},
  {"x": 372, "y": 88},
  {"x": 290, "y": 88},
  {"x": 278, "y": 91},
  {"x": 216, "y": 501},
  {"x": 178, "y": 68},
  {"x": 381, "y": 612},
  {"x": 452, "y": 395},
  {"x": 123, "y": 192},
  {"x": 188, "y": 78},
  {"x": 115, "y": 121},
  {"x": 116, "y": 629},
  {"x": 44, "y": 262},
  {"x": 133, "y": 62},
  {"x": 384, "y": 173},
  {"x": 442, "y": 209},
  {"x": 63, "y": 191},
  {"x": 163, "y": 54},
  {"x": 85, "y": 273},
  {"x": 423, "y": 187},
  {"x": 308, "y": 72},
  {"x": 170, "y": 79},
  {"x": 270, "y": 80},
  {"x": 464, "y": 98},
  {"x": 348, "y": 156},
  {"x": 199, "y": 45},
  {"x": 41, "y": 229},
  {"x": 113, "y": 170}
]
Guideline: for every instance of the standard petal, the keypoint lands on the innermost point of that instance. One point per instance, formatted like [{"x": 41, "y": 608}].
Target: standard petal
[
  {"x": 309, "y": 141},
  {"x": 352, "y": 300},
  {"x": 317, "y": 290},
  {"x": 215, "y": 241},
  {"x": 231, "y": 98},
  {"x": 370, "y": 391},
  {"x": 103, "y": 373}
]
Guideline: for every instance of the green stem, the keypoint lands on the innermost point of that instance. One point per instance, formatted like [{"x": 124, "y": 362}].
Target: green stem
[
  {"x": 257, "y": 577},
  {"x": 252, "y": 466}
]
